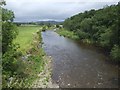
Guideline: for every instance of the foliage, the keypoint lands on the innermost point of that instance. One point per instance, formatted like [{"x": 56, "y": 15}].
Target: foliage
[
  {"x": 9, "y": 50},
  {"x": 19, "y": 69},
  {"x": 67, "y": 33},
  {"x": 44, "y": 27},
  {"x": 23, "y": 68},
  {"x": 115, "y": 52},
  {"x": 9, "y": 32},
  {"x": 100, "y": 27}
]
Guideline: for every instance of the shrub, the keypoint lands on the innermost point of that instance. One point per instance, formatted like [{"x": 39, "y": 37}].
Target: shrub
[{"x": 115, "y": 52}]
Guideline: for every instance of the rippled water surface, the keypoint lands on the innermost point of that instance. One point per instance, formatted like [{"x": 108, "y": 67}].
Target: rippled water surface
[{"x": 75, "y": 65}]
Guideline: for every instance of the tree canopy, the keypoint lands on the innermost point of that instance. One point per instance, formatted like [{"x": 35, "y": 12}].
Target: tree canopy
[{"x": 100, "y": 27}]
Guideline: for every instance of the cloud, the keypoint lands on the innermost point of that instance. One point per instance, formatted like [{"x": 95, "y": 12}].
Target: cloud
[{"x": 34, "y": 10}]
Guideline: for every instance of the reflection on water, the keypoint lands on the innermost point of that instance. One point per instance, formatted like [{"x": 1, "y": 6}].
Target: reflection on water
[{"x": 78, "y": 66}]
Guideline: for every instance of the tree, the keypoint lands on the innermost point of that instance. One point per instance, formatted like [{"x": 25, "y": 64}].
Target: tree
[
  {"x": 101, "y": 27},
  {"x": 9, "y": 30},
  {"x": 9, "y": 50}
]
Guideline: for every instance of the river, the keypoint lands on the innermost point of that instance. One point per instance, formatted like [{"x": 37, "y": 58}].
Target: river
[{"x": 77, "y": 66}]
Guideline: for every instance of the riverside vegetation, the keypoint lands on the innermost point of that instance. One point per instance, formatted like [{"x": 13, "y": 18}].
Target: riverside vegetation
[
  {"x": 98, "y": 27},
  {"x": 23, "y": 58},
  {"x": 22, "y": 64}
]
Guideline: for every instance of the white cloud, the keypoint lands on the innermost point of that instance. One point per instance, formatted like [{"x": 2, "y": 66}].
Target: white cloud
[
  {"x": 33, "y": 10},
  {"x": 44, "y": 1}
]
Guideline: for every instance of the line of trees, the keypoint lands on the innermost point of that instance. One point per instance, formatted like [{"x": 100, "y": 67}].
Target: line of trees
[{"x": 100, "y": 27}]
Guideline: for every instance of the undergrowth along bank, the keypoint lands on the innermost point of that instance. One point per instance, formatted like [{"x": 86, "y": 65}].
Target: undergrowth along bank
[
  {"x": 67, "y": 33},
  {"x": 27, "y": 63}
]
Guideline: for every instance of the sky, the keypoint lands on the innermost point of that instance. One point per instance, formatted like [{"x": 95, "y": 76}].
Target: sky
[{"x": 58, "y": 10}]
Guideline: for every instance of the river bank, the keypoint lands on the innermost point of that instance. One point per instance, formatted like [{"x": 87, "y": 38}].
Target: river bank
[
  {"x": 44, "y": 78},
  {"x": 67, "y": 33},
  {"x": 32, "y": 61},
  {"x": 42, "y": 67},
  {"x": 87, "y": 42}
]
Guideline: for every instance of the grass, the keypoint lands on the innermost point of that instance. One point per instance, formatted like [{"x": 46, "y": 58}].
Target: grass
[
  {"x": 67, "y": 33},
  {"x": 31, "y": 62},
  {"x": 29, "y": 38},
  {"x": 25, "y": 37}
]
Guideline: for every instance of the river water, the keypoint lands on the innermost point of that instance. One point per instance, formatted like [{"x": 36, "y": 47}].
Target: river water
[{"x": 78, "y": 66}]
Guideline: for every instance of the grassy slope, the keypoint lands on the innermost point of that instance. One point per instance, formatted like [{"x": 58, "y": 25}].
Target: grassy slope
[
  {"x": 67, "y": 33},
  {"x": 72, "y": 35},
  {"x": 25, "y": 37}
]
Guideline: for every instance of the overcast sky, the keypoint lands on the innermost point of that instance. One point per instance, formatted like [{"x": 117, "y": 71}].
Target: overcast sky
[{"x": 37, "y": 10}]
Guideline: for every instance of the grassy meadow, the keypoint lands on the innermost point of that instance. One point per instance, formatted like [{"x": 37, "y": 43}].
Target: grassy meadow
[
  {"x": 29, "y": 38},
  {"x": 25, "y": 37}
]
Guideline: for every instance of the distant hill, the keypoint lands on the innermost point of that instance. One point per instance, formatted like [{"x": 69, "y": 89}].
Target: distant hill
[
  {"x": 40, "y": 22},
  {"x": 50, "y": 22}
]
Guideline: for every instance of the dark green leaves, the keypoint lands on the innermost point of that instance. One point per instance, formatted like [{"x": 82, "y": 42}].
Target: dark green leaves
[{"x": 101, "y": 27}]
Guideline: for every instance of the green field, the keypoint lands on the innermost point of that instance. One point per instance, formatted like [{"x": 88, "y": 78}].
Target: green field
[
  {"x": 29, "y": 38},
  {"x": 25, "y": 36}
]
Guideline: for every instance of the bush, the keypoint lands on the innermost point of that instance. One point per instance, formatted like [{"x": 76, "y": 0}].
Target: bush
[{"x": 115, "y": 52}]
